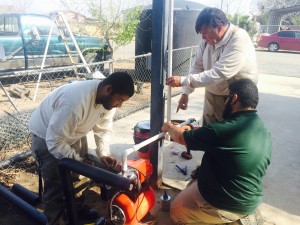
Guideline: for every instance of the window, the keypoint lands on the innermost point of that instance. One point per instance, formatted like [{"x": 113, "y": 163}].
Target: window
[
  {"x": 9, "y": 24},
  {"x": 297, "y": 34},
  {"x": 43, "y": 24},
  {"x": 287, "y": 34}
]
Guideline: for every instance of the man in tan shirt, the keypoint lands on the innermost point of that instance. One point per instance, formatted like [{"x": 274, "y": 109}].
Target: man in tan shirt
[{"x": 225, "y": 53}]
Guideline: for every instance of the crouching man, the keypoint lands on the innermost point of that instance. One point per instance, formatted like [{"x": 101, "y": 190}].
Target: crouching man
[
  {"x": 59, "y": 126},
  {"x": 237, "y": 154}
]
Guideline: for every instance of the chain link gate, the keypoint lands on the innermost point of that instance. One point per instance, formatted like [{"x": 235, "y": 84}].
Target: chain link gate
[{"x": 20, "y": 85}]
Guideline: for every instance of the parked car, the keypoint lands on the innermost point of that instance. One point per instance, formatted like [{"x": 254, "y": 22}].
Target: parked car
[
  {"x": 24, "y": 51},
  {"x": 283, "y": 40}
]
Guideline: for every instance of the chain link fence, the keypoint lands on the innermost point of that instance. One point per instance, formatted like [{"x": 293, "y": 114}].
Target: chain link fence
[{"x": 22, "y": 91}]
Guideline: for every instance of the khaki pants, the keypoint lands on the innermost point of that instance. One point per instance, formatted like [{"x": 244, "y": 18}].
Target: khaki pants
[
  {"x": 213, "y": 107},
  {"x": 189, "y": 207},
  {"x": 53, "y": 197}
]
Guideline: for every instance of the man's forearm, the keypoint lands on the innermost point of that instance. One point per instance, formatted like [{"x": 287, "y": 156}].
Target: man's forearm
[{"x": 102, "y": 150}]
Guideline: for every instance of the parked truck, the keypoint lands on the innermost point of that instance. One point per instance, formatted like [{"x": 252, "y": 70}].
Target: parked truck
[{"x": 23, "y": 39}]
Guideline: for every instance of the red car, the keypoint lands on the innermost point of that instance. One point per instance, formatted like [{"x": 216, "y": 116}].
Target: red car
[{"x": 283, "y": 40}]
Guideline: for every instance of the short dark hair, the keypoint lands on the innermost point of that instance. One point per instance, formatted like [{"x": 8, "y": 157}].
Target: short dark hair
[
  {"x": 210, "y": 17},
  {"x": 246, "y": 91},
  {"x": 121, "y": 83}
]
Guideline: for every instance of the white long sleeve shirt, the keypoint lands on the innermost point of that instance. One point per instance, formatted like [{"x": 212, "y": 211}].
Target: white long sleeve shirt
[
  {"x": 68, "y": 114},
  {"x": 233, "y": 57}
]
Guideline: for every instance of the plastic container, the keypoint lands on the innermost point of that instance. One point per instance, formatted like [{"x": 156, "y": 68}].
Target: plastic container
[{"x": 142, "y": 133}]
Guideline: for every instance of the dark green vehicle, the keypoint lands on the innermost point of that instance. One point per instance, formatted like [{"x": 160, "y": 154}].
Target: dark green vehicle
[{"x": 23, "y": 39}]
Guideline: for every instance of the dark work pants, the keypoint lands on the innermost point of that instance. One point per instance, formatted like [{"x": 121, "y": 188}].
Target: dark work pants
[{"x": 53, "y": 196}]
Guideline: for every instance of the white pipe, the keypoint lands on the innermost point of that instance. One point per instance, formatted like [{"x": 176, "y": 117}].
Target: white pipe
[
  {"x": 170, "y": 57},
  {"x": 144, "y": 143}
]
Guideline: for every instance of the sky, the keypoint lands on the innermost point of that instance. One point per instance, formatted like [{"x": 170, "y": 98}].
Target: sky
[{"x": 45, "y": 6}]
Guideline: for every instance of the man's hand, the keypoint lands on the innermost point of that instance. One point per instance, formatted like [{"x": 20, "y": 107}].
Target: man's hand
[
  {"x": 174, "y": 81},
  {"x": 88, "y": 161},
  {"x": 166, "y": 126},
  {"x": 109, "y": 161},
  {"x": 183, "y": 102}
]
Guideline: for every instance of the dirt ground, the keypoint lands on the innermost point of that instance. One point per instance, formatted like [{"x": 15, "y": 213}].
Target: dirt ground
[{"x": 25, "y": 172}]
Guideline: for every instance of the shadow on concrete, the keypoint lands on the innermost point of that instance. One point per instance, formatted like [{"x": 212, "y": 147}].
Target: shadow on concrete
[{"x": 281, "y": 115}]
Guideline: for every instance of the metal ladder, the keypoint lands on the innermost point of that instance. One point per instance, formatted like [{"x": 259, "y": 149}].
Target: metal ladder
[
  {"x": 60, "y": 21},
  {"x": 62, "y": 24}
]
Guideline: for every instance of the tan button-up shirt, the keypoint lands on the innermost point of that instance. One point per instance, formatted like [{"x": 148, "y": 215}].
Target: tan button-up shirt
[{"x": 233, "y": 57}]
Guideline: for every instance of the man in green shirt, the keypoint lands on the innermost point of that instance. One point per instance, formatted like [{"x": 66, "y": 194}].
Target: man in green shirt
[{"x": 237, "y": 154}]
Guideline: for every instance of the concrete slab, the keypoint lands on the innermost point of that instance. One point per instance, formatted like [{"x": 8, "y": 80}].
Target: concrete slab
[{"x": 279, "y": 107}]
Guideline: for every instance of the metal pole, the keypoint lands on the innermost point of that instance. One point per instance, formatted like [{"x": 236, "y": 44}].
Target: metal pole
[
  {"x": 9, "y": 98},
  {"x": 74, "y": 41},
  {"x": 170, "y": 57},
  {"x": 43, "y": 62},
  {"x": 158, "y": 79}
]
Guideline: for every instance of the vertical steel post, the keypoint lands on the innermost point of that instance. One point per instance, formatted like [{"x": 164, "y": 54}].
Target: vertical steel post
[{"x": 158, "y": 79}]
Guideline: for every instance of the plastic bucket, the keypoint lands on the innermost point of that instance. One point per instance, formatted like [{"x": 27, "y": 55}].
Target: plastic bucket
[{"x": 142, "y": 133}]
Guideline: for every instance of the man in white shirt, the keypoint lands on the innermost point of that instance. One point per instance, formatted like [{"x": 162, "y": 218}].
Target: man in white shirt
[
  {"x": 225, "y": 53},
  {"x": 59, "y": 126}
]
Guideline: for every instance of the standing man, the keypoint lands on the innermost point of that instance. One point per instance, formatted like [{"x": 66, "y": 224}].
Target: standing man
[
  {"x": 225, "y": 53},
  {"x": 59, "y": 126},
  {"x": 237, "y": 154}
]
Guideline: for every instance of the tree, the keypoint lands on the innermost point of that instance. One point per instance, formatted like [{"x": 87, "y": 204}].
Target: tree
[
  {"x": 228, "y": 6},
  {"x": 116, "y": 20},
  {"x": 243, "y": 21},
  {"x": 266, "y": 5},
  {"x": 295, "y": 20},
  {"x": 18, "y": 5},
  {"x": 263, "y": 18}
]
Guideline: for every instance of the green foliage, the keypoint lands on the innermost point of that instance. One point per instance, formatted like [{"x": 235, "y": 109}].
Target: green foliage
[
  {"x": 244, "y": 22},
  {"x": 115, "y": 20},
  {"x": 295, "y": 20},
  {"x": 263, "y": 18},
  {"x": 126, "y": 29}
]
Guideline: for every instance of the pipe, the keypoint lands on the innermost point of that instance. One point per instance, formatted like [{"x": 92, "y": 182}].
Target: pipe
[
  {"x": 170, "y": 57},
  {"x": 27, "y": 195},
  {"x": 95, "y": 173},
  {"x": 68, "y": 189},
  {"x": 144, "y": 143},
  {"x": 15, "y": 159},
  {"x": 99, "y": 175},
  {"x": 29, "y": 210}
]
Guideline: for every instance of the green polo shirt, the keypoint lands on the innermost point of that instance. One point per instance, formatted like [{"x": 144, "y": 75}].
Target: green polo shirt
[{"x": 237, "y": 153}]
